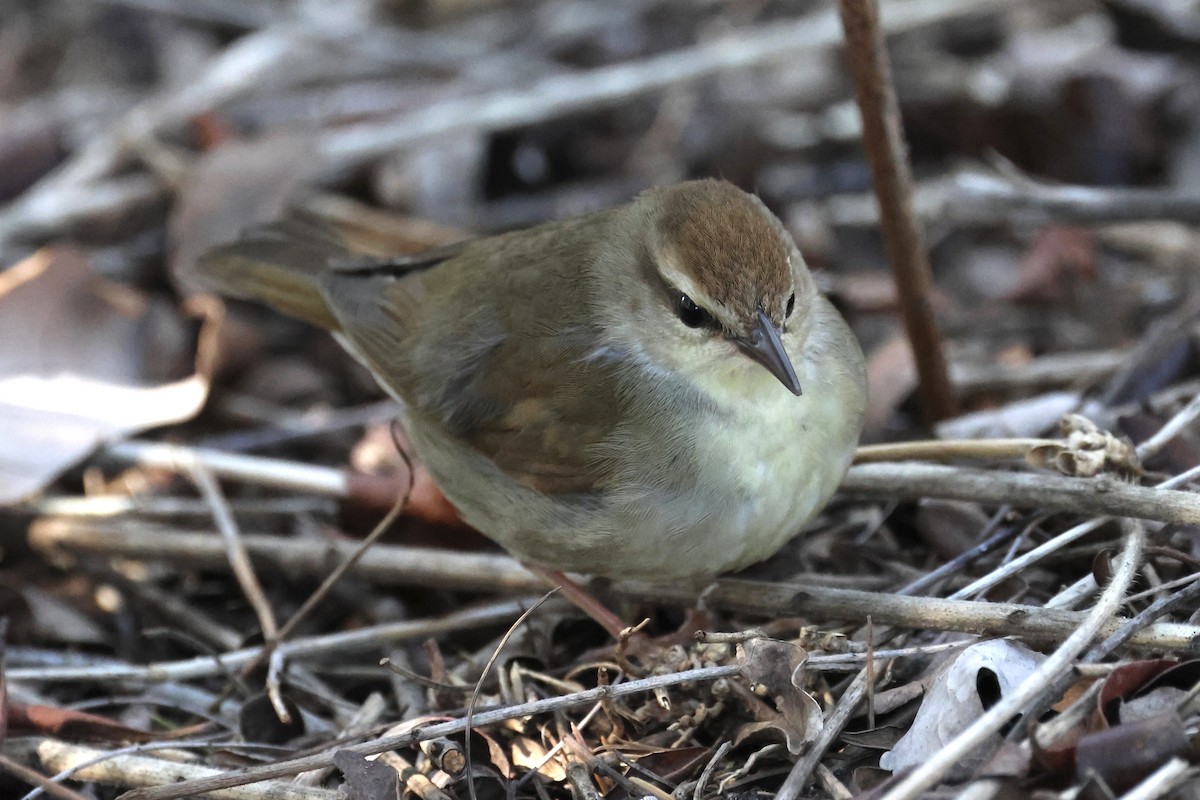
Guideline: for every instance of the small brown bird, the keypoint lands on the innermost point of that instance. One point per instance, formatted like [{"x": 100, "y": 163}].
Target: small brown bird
[{"x": 657, "y": 391}]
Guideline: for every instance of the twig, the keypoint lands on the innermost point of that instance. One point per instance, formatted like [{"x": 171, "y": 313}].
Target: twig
[
  {"x": 949, "y": 449},
  {"x": 311, "y": 647},
  {"x": 1165, "y": 605},
  {"x": 709, "y": 769},
  {"x": 582, "y": 785},
  {"x": 364, "y": 719},
  {"x": 235, "y": 549},
  {"x": 388, "y": 565},
  {"x": 929, "y": 773},
  {"x": 431, "y": 567},
  {"x": 385, "y": 565},
  {"x": 251, "y": 469},
  {"x": 1176, "y": 425},
  {"x": 992, "y": 539},
  {"x": 1042, "y": 491},
  {"x": 1032, "y": 202},
  {"x": 331, "y": 580},
  {"x": 1070, "y": 369},
  {"x": 487, "y": 668},
  {"x": 883, "y": 141}
]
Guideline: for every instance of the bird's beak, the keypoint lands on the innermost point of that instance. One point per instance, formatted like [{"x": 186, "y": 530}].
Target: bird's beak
[{"x": 764, "y": 346}]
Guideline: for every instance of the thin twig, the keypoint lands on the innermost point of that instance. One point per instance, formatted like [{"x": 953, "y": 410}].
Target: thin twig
[
  {"x": 883, "y": 141},
  {"x": 557, "y": 95},
  {"x": 231, "y": 536},
  {"x": 487, "y": 668},
  {"x": 949, "y": 450},
  {"x": 1163, "y": 780},
  {"x": 310, "y": 647}
]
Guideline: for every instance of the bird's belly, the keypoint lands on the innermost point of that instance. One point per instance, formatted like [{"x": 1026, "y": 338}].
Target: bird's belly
[
  {"x": 777, "y": 474},
  {"x": 756, "y": 477}
]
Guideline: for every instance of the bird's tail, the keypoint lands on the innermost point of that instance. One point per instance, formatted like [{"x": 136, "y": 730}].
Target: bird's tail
[{"x": 278, "y": 264}]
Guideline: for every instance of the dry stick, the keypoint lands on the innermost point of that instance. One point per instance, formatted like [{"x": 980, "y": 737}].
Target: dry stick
[
  {"x": 311, "y": 647},
  {"x": 1043, "y": 491},
  {"x": 710, "y": 768},
  {"x": 1039, "y": 203},
  {"x": 239, "y": 68},
  {"x": 192, "y": 461},
  {"x": 1111, "y": 643},
  {"x": 1165, "y": 605},
  {"x": 387, "y": 565},
  {"x": 1145, "y": 450},
  {"x": 928, "y": 774},
  {"x": 949, "y": 449},
  {"x": 239, "y": 559},
  {"x": 1174, "y": 426},
  {"x": 995, "y": 539},
  {"x": 742, "y": 596},
  {"x": 884, "y": 143},
  {"x": 487, "y": 668},
  {"x": 431, "y": 732},
  {"x": 252, "y": 469}
]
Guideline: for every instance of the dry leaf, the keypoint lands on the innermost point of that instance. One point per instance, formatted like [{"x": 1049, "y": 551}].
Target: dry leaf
[
  {"x": 955, "y": 701},
  {"x": 366, "y": 780},
  {"x": 68, "y": 723},
  {"x": 1124, "y": 755},
  {"x": 771, "y": 667},
  {"x": 75, "y": 366},
  {"x": 1087, "y": 452}
]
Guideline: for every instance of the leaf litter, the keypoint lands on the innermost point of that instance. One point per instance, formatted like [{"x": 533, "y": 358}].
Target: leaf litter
[{"x": 1054, "y": 145}]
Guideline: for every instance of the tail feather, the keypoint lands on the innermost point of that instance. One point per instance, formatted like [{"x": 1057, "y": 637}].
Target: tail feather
[{"x": 278, "y": 264}]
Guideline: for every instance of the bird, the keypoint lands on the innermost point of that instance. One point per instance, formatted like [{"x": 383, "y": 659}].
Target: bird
[{"x": 656, "y": 391}]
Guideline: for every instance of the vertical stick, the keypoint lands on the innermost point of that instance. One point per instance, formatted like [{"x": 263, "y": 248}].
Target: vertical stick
[{"x": 883, "y": 141}]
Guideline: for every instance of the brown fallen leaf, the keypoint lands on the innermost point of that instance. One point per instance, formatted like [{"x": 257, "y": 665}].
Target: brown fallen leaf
[
  {"x": 771, "y": 666},
  {"x": 67, "y": 723}
]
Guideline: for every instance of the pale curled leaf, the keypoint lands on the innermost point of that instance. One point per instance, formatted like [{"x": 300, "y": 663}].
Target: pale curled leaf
[{"x": 954, "y": 702}]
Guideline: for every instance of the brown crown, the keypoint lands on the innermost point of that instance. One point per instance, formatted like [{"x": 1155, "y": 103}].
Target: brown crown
[{"x": 729, "y": 245}]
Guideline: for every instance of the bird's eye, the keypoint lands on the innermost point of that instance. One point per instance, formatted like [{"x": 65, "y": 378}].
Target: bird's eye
[
  {"x": 791, "y": 306},
  {"x": 691, "y": 314}
]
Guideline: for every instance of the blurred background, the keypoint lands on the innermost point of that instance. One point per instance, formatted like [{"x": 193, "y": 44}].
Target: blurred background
[{"x": 146, "y": 131}]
